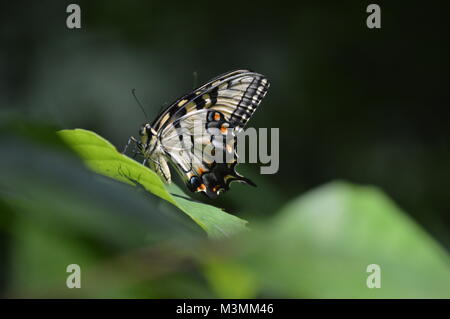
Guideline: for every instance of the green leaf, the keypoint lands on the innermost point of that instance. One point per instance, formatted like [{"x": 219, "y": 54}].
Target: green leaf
[
  {"x": 56, "y": 212},
  {"x": 57, "y": 191},
  {"x": 320, "y": 245},
  {"x": 103, "y": 158},
  {"x": 218, "y": 223}
]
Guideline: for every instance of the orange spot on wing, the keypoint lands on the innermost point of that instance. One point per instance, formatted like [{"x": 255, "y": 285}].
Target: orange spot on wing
[
  {"x": 202, "y": 187},
  {"x": 223, "y": 129},
  {"x": 216, "y": 116}
]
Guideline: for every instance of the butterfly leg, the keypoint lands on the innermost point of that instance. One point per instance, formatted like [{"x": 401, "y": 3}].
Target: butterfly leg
[
  {"x": 131, "y": 139},
  {"x": 162, "y": 168}
]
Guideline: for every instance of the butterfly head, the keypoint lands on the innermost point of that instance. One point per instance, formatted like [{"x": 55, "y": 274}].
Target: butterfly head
[{"x": 146, "y": 132}]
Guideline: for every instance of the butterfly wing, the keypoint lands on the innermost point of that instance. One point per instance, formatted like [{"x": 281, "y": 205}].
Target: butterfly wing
[{"x": 201, "y": 128}]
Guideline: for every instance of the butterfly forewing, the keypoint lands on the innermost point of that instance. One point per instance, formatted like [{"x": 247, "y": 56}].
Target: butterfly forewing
[{"x": 235, "y": 94}]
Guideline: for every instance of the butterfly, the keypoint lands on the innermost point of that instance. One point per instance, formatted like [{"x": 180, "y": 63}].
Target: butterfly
[{"x": 200, "y": 127}]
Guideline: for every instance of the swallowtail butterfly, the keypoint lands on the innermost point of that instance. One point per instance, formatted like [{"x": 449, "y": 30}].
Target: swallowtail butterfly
[{"x": 208, "y": 118}]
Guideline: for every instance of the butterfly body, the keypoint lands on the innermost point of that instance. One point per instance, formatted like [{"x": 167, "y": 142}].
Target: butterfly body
[{"x": 197, "y": 133}]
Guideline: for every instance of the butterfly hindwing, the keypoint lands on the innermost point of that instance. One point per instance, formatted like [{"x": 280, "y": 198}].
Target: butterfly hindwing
[{"x": 204, "y": 151}]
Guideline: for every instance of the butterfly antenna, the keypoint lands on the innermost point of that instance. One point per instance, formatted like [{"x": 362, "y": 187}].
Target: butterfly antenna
[
  {"x": 133, "y": 91},
  {"x": 194, "y": 79}
]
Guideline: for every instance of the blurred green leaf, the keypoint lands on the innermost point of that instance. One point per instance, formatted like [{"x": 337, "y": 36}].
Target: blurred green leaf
[
  {"x": 58, "y": 192},
  {"x": 319, "y": 246},
  {"x": 102, "y": 157},
  {"x": 229, "y": 278},
  {"x": 55, "y": 212},
  {"x": 40, "y": 259},
  {"x": 131, "y": 243}
]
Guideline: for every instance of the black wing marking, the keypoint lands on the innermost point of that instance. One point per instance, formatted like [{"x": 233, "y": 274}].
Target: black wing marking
[{"x": 202, "y": 146}]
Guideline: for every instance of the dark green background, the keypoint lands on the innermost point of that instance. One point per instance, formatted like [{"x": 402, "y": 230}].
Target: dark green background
[{"x": 366, "y": 106}]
